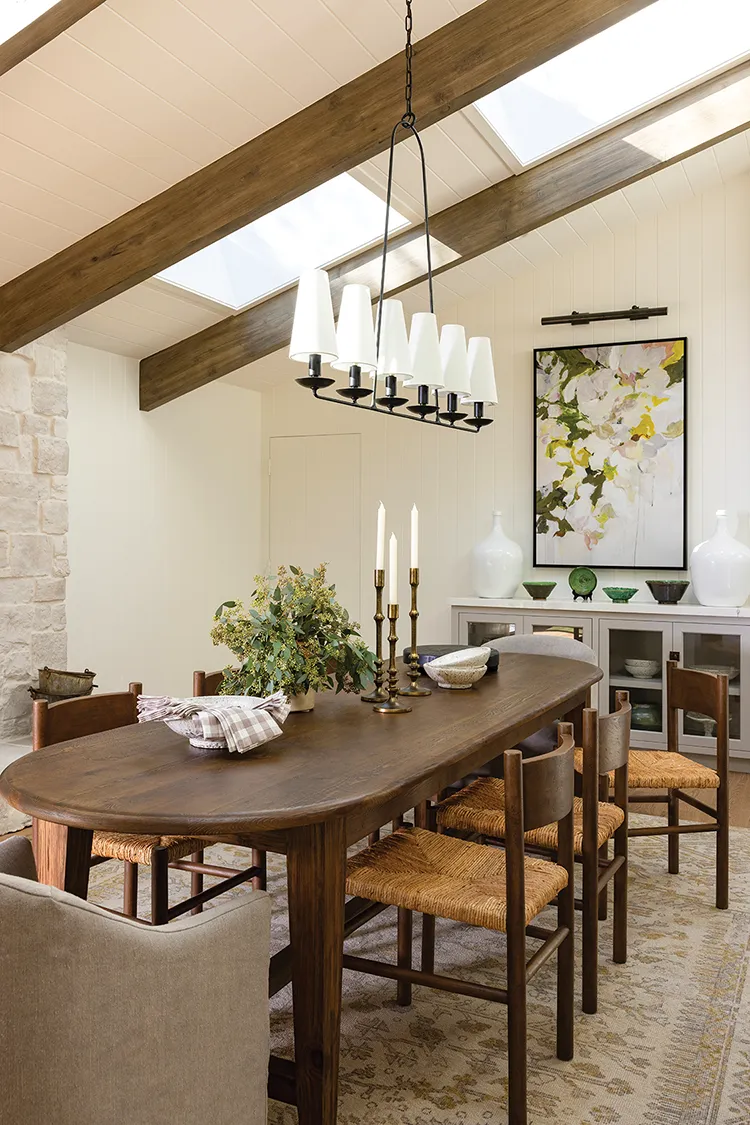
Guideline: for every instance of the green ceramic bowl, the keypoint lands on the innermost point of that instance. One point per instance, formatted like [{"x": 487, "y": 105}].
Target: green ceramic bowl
[
  {"x": 620, "y": 593},
  {"x": 539, "y": 591}
]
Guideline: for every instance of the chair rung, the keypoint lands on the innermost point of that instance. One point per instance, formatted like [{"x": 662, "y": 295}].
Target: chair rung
[
  {"x": 695, "y": 803},
  {"x": 204, "y": 868},
  {"x": 613, "y": 866},
  {"x": 672, "y": 829},
  {"x": 543, "y": 954},
  {"x": 429, "y": 980},
  {"x": 212, "y": 892}
]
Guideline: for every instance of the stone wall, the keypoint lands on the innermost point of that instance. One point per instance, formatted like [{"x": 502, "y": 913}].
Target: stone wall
[{"x": 33, "y": 522}]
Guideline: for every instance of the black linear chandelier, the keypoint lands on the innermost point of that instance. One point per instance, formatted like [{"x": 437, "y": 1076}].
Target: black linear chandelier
[{"x": 433, "y": 363}]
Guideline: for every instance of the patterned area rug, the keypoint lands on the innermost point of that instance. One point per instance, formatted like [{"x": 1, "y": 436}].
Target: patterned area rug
[{"x": 669, "y": 1046}]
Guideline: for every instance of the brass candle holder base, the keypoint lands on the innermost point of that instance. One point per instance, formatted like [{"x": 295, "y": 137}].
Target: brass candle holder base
[
  {"x": 391, "y": 705},
  {"x": 414, "y": 670},
  {"x": 379, "y": 694}
]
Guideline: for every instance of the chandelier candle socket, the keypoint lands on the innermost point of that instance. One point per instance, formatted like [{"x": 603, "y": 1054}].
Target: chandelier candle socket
[{"x": 423, "y": 360}]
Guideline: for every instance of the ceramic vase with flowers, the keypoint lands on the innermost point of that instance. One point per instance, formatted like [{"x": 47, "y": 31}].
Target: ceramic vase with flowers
[{"x": 294, "y": 637}]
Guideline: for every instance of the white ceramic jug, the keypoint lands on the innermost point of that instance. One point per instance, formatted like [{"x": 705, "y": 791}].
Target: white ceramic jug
[
  {"x": 497, "y": 563},
  {"x": 720, "y": 568}
]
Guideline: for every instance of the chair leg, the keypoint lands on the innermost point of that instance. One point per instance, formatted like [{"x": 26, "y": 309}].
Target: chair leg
[
  {"x": 590, "y": 958},
  {"x": 566, "y": 911},
  {"x": 673, "y": 844},
  {"x": 373, "y": 837},
  {"x": 517, "y": 1057},
  {"x": 196, "y": 881},
  {"x": 130, "y": 895},
  {"x": 403, "y": 987},
  {"x": 159, "y": 886},
  {"x": 259, "y": 859},
  {"x": 603, "y": 897},
  {"x": 722, "y": 848},
  {"x": 428, "y": 943}
]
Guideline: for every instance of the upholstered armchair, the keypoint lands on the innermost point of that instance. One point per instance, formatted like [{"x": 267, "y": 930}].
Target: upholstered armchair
[{"x": 107, "y": 1021}]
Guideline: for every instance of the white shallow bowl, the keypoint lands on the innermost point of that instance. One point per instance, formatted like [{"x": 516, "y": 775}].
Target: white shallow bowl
[
  {"x": 642, "y": 669},
  {"x": 459, "y": 669},
  {"x": 718, "y": 670}
]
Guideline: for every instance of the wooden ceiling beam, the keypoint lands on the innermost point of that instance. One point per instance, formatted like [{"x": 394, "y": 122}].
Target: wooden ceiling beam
[
  {"x": 656, "y": 138},
  {"x": 43, "y": 30},
  {"x": 483, "y": 49}
]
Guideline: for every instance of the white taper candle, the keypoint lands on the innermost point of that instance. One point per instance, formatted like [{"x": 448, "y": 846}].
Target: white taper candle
[
  {"x": 414, "y": 537},
  {"x": 392, "y": 571},
  {"x": 380, "y": 547}
]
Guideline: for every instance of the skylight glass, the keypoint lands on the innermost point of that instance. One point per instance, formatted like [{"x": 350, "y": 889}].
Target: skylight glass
[
  {"x": 639, "y": 61},
  {"x": 329, "y": 222},
  {"x": 17, "y": 14}
]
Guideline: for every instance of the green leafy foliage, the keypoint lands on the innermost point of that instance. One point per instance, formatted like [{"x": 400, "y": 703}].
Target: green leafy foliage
[{"x": 293, "y": 637}]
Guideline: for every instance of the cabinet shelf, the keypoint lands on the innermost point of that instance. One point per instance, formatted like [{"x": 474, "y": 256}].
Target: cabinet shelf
[{"x": 652, "y": 685}]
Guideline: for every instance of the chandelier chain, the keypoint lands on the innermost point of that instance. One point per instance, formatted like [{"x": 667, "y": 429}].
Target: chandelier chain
[{"x": 409, "y": 117}]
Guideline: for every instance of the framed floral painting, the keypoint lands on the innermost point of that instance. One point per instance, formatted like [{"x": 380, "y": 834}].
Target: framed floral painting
[{"x": 610, "y": 462}]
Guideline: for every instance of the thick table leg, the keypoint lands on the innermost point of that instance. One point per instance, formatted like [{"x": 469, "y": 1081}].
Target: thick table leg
[
  {"x": 316, "y": 859},
  {"x": 63, "y": 857}
]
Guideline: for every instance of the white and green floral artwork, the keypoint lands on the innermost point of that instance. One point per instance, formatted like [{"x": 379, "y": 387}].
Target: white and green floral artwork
[{"x": 610, "y": 455}]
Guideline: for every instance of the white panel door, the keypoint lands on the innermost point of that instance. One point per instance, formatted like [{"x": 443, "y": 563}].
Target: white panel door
[{"x": 314, "y": 512}]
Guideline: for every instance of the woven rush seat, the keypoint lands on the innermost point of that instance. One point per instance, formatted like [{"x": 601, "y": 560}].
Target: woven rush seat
[
  {"x": 140, "y": 849},
  {"x": 480, "y": 807},
  {"x": 449, "y": 878},
  {"x": 662, "y": 769}
]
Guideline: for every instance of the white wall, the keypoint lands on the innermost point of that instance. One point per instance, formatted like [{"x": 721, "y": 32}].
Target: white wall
[
  {"x": 164, "y": 522},
  {"x": 693, "y": 257}
]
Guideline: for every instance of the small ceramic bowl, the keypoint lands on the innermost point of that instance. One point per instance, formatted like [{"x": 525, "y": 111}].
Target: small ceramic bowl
[
  {"x": 642, "y": 669},
  {"x": 539, "y": 591},
  {"x": 667, "y": 591},
  {"x": 620, "y": 593},
  {"x": 459, "y": 669}
]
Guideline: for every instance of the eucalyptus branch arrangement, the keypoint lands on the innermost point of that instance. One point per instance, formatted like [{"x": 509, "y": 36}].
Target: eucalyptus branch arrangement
[{"x": 295, "y": 636}]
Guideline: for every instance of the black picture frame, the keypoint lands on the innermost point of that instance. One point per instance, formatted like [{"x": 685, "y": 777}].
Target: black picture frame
[{"x": 592, "y": 563}]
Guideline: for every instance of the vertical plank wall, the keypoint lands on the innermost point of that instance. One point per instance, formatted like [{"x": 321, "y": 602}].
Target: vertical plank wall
[{"x": 693, "y": 256}]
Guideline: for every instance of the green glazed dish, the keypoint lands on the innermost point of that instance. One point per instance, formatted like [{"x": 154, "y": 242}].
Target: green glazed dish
[
  {"x": 582, "y": 582},
  {"x": 620, "y": 593},
  {"x": 539, "y": 591}
]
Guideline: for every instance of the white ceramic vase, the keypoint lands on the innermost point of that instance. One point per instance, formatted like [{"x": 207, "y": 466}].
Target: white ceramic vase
[
  {"x": 303, "y": 702},
  {"x": 720, "y": 568},
  {"x": 497, "y": 563}
]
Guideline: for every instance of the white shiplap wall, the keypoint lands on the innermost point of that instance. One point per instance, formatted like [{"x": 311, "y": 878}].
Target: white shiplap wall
[
  {"x": 693, "y": 256},
  {"x": 164, "y": 522}
]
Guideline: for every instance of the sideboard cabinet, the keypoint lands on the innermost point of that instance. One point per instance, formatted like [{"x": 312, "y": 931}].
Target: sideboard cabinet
[{"x": 702, "y": 637}]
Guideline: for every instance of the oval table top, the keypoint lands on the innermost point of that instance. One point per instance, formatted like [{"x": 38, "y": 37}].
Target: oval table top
[{"x": 340, "y": 759}]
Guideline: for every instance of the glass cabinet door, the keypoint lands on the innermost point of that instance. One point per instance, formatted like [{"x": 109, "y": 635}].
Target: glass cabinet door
[
  {"x": 577, "y": 628},
  {"x": 634, "y": 657},
  {"x": 477, "y": 627},
  {"x": 720, "y": 649}
]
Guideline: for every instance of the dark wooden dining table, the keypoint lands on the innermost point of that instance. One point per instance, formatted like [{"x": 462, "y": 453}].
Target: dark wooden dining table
[{"x": 334, "y": 776}]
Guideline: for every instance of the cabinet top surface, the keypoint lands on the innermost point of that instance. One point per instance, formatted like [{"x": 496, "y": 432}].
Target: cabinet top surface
[{"x": 603, "y": 606}]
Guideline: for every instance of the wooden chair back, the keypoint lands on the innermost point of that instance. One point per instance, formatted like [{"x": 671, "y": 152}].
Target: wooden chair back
[
  {"x": 88, "y": 714},
  {"x": 207, "y": 683},
  {"x": 614, "y": 735},
  {"x": 546, "y": 782},
  {"x": 706, "y": 693}
]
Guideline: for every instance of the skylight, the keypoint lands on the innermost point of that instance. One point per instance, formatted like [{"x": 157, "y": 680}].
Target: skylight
[
  {"x": 17, "y": 14},
  {"x": 327, "y": 223},
  {"x": 641, "y": 60}
]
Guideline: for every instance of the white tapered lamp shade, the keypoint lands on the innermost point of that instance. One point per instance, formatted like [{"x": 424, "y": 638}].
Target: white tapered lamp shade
[
  {"x": 454, "y": 360},
  {"x": 355, "y": 335},
  {"x": 393, "y": 355},
  {"x": 313, "y": 331},
  {"x": 424, "y": 348},
  {"x": 481, "y": 371}
]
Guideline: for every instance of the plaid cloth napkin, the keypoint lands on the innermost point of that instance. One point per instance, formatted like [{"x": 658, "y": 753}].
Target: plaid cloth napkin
[{"x": 244, "y": 721}]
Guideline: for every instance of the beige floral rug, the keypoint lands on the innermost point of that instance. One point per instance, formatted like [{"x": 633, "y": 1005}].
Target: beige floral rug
[{"x": 669, "y": 1046}]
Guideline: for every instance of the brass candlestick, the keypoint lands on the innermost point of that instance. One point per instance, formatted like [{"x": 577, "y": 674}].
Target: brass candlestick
[
  {"x": 391, "y": 706},
  {"x": 379, "y": 695},
  {"x": 414, "y": 669}
]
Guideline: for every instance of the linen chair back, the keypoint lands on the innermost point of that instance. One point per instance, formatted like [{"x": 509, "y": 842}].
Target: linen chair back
[
  {"x": 706, "y": 693},
  {"x": 207, "y": 683},
  {"x": 17, "y": 858},
  {"x": 545, "y": 644},
  {"x": 88, "y": 714},
  {"x": 614, "y": 735}
]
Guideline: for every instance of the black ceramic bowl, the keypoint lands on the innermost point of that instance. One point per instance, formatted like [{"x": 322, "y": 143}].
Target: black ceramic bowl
[{"x": 667, "y": 591}]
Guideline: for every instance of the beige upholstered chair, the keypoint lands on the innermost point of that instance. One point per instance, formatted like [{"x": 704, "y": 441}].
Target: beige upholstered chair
[{"x": 106, "y": 1021}]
